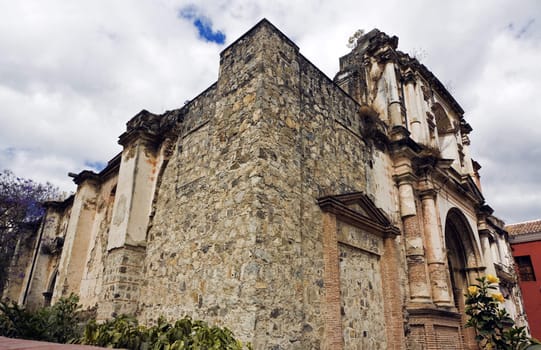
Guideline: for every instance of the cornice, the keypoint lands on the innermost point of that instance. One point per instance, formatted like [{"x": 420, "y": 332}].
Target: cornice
[
  {"x": 405, "y": 178},
  {"x": 83, "y": 176},
  {"x": 59, "y": 205},
  {"x": 525, "y": 238},
  {"x": 504, "y": 274},
  {"x": 434, "y": 312},
  {"x": 407, "y": 63},
  {"x": 376, "y": 222}
]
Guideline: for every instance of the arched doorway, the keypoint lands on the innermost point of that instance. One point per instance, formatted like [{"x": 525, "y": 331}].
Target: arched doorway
[
  {"x": 48, "y": 294},
  {"x": 463, "y": 258}
]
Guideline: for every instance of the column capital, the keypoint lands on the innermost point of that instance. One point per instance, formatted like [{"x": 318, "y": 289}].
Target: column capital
[
  {"x": 408, "y": 77},
  {"x": 144, "y": 126},
  {"x": 428, "y": 193},
  {"x": 407, "y": 178},
  {"x": 137, "y": 135},
  {"x": 85, "y": 176}
]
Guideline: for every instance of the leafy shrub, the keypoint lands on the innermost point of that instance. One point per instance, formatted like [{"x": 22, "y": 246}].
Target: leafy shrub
[
  {"x": 494, "y": 328},
  {"x": 186, "y": 334},
  {"x": 61, "y": 323},
  {"x": 58, "y": 323}
]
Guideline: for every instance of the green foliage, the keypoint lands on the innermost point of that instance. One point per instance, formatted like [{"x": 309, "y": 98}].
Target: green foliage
[
  {"x": 495, "y": 329},
  {"x": 58, "y": 323},
  {"x": 185, "y": 334},
  {"x": 61, "y": 323}
]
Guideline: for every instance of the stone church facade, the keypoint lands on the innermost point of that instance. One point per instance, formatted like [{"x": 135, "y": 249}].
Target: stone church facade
[{"x": 299, "y": 211}]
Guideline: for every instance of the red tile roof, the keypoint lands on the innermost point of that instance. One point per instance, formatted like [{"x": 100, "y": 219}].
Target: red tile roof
[{"x": 520, "y": 228}]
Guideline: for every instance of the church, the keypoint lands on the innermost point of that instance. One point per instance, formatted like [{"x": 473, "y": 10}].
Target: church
[{"x": 301, "y": 212}]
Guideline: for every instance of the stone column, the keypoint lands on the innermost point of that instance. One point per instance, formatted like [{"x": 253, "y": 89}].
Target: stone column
[
  {"x": 501, "y": 248},
  {"x": 487, "y": 251},
  {"x": 393, "y": 99},
  {"x": 434, "y": 250},
  {"x": 415, "y": 252},
  {"x": 412, "y": 110}
]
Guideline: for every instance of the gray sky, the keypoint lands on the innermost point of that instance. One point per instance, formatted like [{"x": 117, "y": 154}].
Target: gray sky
[{"x": 72, "y": 73}]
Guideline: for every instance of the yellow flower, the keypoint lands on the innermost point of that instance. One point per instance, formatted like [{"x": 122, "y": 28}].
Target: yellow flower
[
  {"x": 492, "y": 279},
  {"x": 498, "y": 297},
  {"x": 473, "y": 290}
]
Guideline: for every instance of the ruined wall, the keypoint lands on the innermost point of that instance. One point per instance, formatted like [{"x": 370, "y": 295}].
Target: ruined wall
[
  {"x": 93, "y": 271},
  {"x": 76, "y": 242},
  {"x": 179, "y": 228},
  {"x": 144, "y": 155},
  {"x": 44, "y": 269},
  {"x": 236, "y": 237},
  {"x": 23, "y": 256}
]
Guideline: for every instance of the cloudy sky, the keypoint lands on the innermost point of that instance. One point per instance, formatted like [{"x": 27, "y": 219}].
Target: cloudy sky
[{"x": 73, "y": 72}]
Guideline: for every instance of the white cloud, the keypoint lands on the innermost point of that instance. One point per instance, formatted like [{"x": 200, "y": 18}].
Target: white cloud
[
  {"x": 73, "y": 73},
  {"x": 506, "y": 117}
]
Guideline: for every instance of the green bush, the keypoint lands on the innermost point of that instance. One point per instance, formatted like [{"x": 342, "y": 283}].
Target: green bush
[
  {"x": 58, "y": 323},
  {"x": 494, "y": 328},
  {"x": 61, "y": 323},
  {"x": 184, "y": 334}
]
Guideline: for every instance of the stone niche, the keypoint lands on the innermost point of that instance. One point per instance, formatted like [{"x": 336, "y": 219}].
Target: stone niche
[{"x": 358, "y": 270}]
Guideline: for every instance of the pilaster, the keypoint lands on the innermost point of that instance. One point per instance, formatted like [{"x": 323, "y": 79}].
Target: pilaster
[
  {"x": 333, "y": 319},
  {"x": 135, "y": 192},
  {"x": 414, "y": 242},
  {"x": 137, "y": 179},
  {"x": 77, "y": 240},
  {"x": 393, "y": 99},
  {"x": 412, "y": 110},
  {"x": 435, "y": 249}
]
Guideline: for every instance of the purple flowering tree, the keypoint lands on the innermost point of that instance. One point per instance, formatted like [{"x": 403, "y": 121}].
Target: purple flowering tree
[{"x": 21, "y": 209}]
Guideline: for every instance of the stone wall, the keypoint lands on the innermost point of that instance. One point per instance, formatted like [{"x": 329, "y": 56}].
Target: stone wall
[
  {"x": 201, "y": 259},
  {"x": 92, "y": 280},
  {"x": 236, "y": 235},
  {"x": 22, "y": 259}
]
